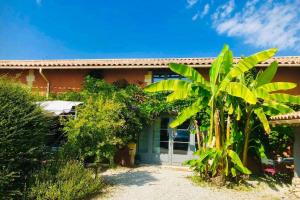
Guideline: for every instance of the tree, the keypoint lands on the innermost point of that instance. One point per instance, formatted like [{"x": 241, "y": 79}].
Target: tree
[
  {"x": 92, "y": 135},
  {"x": 223, "y": 86},
  {"x": 23, "y": 130},
  {"x": 271, "y": 101}
]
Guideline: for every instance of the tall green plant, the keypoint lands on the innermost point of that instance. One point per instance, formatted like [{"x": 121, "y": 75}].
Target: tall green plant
[
  {"x": 23, "y": 132},
  {"x": 92, "y": 135},
  {"x": 271, "y": 101},
  {"x": 223, "y": 85}
]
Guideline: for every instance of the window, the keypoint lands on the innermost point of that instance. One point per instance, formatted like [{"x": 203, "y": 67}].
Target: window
[{"x": 166, "y": 75}]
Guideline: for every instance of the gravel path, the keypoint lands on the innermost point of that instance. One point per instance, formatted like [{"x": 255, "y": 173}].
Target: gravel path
[{"x": 167, "y": 183}]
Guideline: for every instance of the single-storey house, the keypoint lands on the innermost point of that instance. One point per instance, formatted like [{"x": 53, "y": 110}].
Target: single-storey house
[{"x": 158, "y": 143}]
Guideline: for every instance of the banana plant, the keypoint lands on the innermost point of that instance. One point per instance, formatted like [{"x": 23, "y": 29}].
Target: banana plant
[
  {"x": 222, "y": 82},
  {"x": 211, "y": 157},
  {"x": 271, "y": 101}
]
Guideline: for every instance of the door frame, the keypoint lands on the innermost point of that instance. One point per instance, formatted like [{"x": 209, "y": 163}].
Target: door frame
[
  {"x": 172, "y": 158},
  {"x": 149, "y": 149}
]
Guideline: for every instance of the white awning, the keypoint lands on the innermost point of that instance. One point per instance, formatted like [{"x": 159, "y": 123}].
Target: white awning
[{"x": 59, "y": 107}]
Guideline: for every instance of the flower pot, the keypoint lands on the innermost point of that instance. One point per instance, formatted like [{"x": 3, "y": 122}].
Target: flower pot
[{"x": 132, "y": 153}]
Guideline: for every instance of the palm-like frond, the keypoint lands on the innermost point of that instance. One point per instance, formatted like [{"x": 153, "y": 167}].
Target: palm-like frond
[
  {"x": 267, "y": 75},
  {"x": 188, "y": 113},
  {"x": 239, "y": 90},
  {"x": 277, "y": 86},
  {"x": 263, "y": 119},
  {"x": 189, "y": 73}
]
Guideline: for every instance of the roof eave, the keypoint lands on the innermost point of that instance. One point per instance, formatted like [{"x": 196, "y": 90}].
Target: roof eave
[{"x": 122, "y": 67}]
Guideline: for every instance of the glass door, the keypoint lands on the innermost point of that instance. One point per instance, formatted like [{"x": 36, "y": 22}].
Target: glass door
[
  {"x": 172, "y": 146},
  {"x": 182, "y": 144},
  {"x": 161, "y": 141}
]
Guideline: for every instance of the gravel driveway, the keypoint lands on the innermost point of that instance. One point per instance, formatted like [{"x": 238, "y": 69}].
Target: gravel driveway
[{"x": 168, "y": 183}]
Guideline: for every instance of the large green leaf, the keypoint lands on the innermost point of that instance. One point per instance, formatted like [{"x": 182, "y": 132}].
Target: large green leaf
[
  {"x": 262, "y": 94},
  {"x": 187, "y": 113},
  {"x": 277, "y": 86},
  {"x": 233, "y": 172},
  {"x": 263, "y": 119},
  {"x": 227, "y": 63},
  {"x": 189, "y": 73},
  {"x": 178, "y": 95},
  {"x": 193, "y": 91},
  {"x": 216, "y": 158},
  {"x": 206, "y": 155},
  {"x": 248, "y": 63},
  {"x": 239, "y": 90},
  {"x": 282, "y": 108},
  {"x": 221, "y": 63},
  {"x": 169, "y": 85},
  {"x": 238, "y": 163},
  {"x": 238, "y": 113},
  {"x": 285, "y": 98},
  {"x": 267, "y": 75},
  {"x": 226, "y": 166},
  {"x": 260, "y": 149},
  {"x": 278, "y": 97}
]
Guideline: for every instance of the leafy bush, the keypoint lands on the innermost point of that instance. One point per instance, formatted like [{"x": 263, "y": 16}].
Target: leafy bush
[
  {"x": 69, "y": 181},
  {"x": 127, "y": 95},
  {"x": 92, "y": 135},
  {"x": 23, "y": 129},
  {"x": 280, "y": 139},
  {"x": 132, "y": 106},
  {"x": 140, "y": 107}
]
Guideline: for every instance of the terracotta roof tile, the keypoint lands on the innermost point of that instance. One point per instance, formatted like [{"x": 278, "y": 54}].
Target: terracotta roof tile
[
  {"x": 294, "y": 115},
  {"x": 289, "y": 61}
]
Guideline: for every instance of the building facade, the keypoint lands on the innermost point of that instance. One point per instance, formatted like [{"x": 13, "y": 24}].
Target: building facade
[{"x": 158, "y": 143}]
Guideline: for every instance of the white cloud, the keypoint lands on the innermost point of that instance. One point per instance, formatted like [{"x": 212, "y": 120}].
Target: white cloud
[
  {"x": 225, "y": 10},
  {"x": 203, "y": 13},
  {"x": 191, "y": 3},
  {"x": 38, "y": 2},
  {"x": 205, "y": 10},
  {"x": 261, "y": 23},
  {"x": 195, "y": 16}
]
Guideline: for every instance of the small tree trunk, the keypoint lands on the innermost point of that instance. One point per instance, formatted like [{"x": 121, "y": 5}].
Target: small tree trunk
[
  {"x": 217, "y": 129},
  {"x": 211, "y": 127},
  {"x": 222, "y": 127},
  {"x": 246, "y": 141},
  {"x": 197, "y": 134},
  {"x": 228, "y": 128}
]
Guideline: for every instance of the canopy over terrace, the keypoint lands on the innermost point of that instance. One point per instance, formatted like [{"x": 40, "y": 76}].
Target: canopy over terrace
[
  {"x": 292, "y": 119},
  {"x": 57, "y": 108}
]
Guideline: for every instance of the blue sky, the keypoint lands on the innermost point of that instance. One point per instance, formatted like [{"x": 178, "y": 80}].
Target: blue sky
[{"x": 71, "y": 29}]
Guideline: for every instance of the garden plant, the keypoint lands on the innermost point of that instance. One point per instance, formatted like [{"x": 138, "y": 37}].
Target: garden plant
[
  {"x": 227, "y": 98},
  {"x": 23, "y": 133},
  {"x": 29, "y": 169}
]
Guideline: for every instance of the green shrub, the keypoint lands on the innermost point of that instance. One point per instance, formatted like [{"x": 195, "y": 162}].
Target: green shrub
[
  {"x": 23, "y": 130},
  {"x": 68, "y": 181},
  {"x": 92, "y": 135},
  {"x": 280, "y": 139},
  {"x": 132, "y": 106}
]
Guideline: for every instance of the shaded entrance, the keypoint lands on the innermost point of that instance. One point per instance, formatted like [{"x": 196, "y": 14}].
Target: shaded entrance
[{"x": 164, "y": 145}]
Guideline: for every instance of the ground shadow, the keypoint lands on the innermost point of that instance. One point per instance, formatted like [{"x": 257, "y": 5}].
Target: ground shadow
[
  {"x": 130, "y": 177},
  {"x": 272, "y": 182}
]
